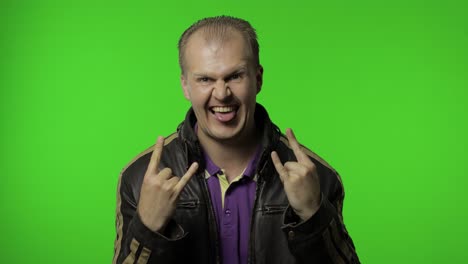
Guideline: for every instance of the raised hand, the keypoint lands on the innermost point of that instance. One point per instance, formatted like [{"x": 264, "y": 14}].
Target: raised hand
[
  {"x": 160, "y": 191},
  {"x": 300, "y": 180}
]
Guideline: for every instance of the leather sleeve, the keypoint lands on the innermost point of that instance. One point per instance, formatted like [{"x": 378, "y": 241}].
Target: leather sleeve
[
  {"x": 323, "y": 237},
  {"x": 135, "y": 243}
]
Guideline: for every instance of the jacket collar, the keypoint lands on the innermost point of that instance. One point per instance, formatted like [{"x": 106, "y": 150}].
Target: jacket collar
[{"x": 269, "y": 140}]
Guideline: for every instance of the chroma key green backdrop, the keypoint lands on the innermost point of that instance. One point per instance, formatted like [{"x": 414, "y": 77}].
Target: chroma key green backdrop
[{"x": 378, "y": 88}]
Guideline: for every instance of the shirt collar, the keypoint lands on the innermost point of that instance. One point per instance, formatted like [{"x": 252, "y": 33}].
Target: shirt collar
[{"x": 212, "y": 169}]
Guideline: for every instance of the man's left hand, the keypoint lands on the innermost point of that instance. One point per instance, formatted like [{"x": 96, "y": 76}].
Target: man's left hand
[{"x": 300, "y": 180}]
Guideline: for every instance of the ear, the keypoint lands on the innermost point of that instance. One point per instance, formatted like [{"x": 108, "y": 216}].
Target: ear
[
  {"x": 185, "y": 86},
  {"x": 259, "y": 78}
]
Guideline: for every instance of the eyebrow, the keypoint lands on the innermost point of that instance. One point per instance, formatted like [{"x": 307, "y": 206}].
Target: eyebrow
[{"x": 239, "y": 69}]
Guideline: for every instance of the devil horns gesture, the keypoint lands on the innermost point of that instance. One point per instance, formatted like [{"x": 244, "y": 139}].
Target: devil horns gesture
[
  {"x": 160, "y": 191},
  {"x": 300, "y": 180}
]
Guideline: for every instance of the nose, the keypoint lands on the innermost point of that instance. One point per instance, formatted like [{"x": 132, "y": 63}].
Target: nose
[{"x": 221, "y": 90}]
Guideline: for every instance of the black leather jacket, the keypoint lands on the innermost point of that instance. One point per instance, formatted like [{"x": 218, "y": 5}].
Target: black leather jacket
[{"x": 277, "y": 235}]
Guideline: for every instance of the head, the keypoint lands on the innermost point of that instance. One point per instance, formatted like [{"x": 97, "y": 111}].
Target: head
[{"x": 221, "y": 76}]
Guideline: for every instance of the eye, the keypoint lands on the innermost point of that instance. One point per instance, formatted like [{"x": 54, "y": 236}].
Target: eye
[
  {"x": 235, "y": 77},
  {"x": 203, "y": 79}
]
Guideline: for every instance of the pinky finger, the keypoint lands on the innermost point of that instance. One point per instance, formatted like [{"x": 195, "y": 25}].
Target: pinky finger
[
  {"x": 185, "y": 179},
  {"x": 278, "y": 165}
]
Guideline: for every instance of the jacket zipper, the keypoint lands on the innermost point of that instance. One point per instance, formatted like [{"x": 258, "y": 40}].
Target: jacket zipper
[
  {"x": 258, "y": 193},
  {"x": 251, "y": 257}
]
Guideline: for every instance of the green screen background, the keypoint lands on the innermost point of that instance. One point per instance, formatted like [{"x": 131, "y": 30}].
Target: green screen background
[{"x": 377, "y": 89}]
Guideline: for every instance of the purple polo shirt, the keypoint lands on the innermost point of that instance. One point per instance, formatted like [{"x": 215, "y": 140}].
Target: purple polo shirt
[{"x": 233, "y": 219}]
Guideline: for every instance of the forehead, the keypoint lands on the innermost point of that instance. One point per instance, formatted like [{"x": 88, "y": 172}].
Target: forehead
[{"x": 206, "y": 51}]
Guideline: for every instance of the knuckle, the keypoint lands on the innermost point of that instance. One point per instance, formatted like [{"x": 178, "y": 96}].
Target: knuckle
[
  {"x": 311, "y": 165},
  {"x": 294, "y": 179},
  {"x": 288, "y": 165},
  {"x": 157, "y": 184},
  {"x": 174, "y": 180},
  {"x": 165, "y": 172},
  {"x": 305, "y": 171},
  {"x": 167, "y": 187},
  {"x": 311, "y": 170}
]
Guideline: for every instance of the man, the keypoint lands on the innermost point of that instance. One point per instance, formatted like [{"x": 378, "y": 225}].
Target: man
[{"x": 228, "y": 187}]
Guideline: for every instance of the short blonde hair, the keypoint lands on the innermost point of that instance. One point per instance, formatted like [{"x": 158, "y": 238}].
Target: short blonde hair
[{"x": 217, "y": 28}]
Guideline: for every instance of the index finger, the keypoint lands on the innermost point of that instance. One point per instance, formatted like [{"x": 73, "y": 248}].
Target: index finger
[
  {"x": 296, "y": 147},
  {"x": 156, "y": 156}
]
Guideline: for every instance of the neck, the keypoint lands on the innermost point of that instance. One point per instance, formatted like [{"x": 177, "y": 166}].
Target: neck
[{"x": 232, "y": 156}]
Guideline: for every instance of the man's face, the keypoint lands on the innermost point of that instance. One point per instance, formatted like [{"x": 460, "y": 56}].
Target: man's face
[{"x": 221, "y": 82}]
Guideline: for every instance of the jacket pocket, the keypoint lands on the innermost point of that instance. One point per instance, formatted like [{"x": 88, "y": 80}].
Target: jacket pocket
[
  {"x": 274, "y": 208},
  {"x": 187, "y": 204}
]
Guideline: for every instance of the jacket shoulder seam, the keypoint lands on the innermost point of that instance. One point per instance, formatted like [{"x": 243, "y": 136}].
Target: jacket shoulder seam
[
  {"x": 167, "y": 140},
  {"x": 309, "y": 153}
]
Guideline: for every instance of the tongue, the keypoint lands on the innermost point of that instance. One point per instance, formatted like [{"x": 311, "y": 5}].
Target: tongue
[{"x": 225, "y": 117}]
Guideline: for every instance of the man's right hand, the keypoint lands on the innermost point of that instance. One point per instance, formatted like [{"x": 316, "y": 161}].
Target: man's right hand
[{"x": 160, "y": 191}]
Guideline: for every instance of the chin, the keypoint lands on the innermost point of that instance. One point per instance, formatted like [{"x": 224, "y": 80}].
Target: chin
[{"x": 225, "y": 134}]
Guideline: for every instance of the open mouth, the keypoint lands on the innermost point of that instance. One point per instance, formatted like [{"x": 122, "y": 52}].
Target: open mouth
[
  {"x": 223, "y": 109},
  {"x": 224, "y": 113}
]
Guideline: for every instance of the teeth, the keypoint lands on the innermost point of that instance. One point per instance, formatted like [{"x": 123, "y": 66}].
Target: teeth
[{"x": 223, "y": 109}]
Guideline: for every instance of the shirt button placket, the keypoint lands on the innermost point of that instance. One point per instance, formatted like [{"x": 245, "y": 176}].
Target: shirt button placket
[{"x": 227, "y": 219}]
